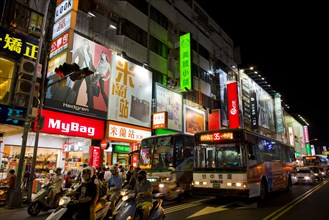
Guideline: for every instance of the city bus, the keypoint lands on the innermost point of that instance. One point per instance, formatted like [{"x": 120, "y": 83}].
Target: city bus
[
  {"x": 240, "y": 163},
  {"x": 316, "y": 160},
  {"x": 158, "y": 153}
]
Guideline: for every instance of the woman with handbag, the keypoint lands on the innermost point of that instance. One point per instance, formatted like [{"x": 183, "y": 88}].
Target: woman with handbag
[{"x": 102, "y": 74}]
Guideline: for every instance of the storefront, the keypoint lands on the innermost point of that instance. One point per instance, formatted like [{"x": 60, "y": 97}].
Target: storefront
[
  {"x": 123, "y": 139},
  {"x": 79, "y": 131}
]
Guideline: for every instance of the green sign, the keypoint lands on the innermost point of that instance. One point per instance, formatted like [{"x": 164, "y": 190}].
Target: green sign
[
  {"x": 122, "y": 148},
  {"x": 165, "y": 131},
  {"x": 185, "y": 63},
  {"x": 298, "y": 155},
  {"x": 308, "y": 149}
]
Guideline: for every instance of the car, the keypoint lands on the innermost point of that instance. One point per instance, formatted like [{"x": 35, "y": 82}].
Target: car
[
  {"x": 317, "y": 172},
  {"x": 305, "y": 175}
]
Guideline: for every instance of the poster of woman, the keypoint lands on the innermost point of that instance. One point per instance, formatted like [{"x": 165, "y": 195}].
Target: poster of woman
[{"x": 88, "y": 96}]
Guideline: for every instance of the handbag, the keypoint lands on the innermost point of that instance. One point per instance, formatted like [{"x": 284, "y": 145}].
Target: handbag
[
  {"x": 95, "y": 89},
  {"x": 140, "y": 108}
]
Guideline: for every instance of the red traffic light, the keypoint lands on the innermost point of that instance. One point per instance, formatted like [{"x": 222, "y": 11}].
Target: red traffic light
[
  {"x": 81, "y": 74},
  {"x": 60, "y": 73}
]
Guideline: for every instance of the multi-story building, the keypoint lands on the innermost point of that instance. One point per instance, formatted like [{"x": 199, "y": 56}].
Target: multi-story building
[{"x": 134, "y": 48}]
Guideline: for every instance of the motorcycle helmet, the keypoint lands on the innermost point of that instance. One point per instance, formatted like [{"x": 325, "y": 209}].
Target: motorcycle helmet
[
  {"x": 88, "y": 170},
  {"x": 141, "y": 175}
]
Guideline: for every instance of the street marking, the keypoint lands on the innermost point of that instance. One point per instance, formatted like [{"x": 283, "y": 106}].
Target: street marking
[
  {"x": 276, "y": 214},
  {"x": 186, "y": 205},
  {"x": 208, "y": 210}
]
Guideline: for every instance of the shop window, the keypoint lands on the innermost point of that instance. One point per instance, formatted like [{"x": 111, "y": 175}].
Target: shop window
[{"x": 7, "y": 68}]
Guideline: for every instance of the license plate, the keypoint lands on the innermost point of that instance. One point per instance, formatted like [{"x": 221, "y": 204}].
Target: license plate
[{"x": 216, "y": 185}]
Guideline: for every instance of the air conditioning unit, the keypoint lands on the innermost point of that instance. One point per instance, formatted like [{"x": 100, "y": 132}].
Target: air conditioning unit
[
  {"x": 23, "y": 86},
  {"x": 26, "y": 68},
  {"x": 34, "y": 30}
]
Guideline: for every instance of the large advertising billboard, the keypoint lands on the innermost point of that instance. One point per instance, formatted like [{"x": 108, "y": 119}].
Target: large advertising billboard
[
  {"x": 130, "y": 93},
  {"x": 171, "y": 102},
  {"x": 88, "y": 96}
]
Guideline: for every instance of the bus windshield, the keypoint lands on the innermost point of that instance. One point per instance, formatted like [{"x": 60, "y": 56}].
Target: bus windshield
[
  {"x": 219, "y": 156},
  {"x": 162, "y": 153}
]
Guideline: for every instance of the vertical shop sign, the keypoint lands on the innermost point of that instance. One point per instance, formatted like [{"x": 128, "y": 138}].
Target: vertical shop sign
[
  {"x": 233, "y": 105},
  {"x": 278, "y": 113},
  {"x": 253, "y": 111},
  {"x": 185, "y": 62},
  {"x": 94, "y": 156}
]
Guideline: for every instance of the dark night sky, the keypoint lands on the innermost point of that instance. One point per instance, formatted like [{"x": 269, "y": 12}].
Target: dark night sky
[{"x": 288, "y": 45}]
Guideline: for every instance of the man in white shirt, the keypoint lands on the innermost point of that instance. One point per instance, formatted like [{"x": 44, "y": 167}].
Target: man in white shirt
[{"x": 58, "y": 181}]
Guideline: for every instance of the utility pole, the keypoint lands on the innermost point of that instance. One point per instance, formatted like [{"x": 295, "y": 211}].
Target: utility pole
[{"x": 15, "y": 199}]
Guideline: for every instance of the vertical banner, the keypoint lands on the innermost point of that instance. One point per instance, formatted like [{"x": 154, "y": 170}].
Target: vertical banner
[
  {"x": 253, "y": 110},
  {"x": 185, "y": 62},
  {"x": 278, "y": 113},
  {"x": 233, "y": 105},
  {"x": 214, "y": 120},
  {"x": 94, "y": 156},
  {"x": 291, "y": 136},
  {"x": 306, "y": 136}
]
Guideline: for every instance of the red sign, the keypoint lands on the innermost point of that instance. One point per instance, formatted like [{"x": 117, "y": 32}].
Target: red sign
[
  {"x": 233, "y": 105},
  {"x": 59, "y": 45},
  {"x": 72, "y": 125},
  {"x": 214, "y": 120},
  {"x": 104, "y": 144},
  {"x": 159, "y": 120},
  {"x": 94, "y": 156}
]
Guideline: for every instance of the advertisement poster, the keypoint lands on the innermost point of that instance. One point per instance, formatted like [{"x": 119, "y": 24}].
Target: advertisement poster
[
  {"x": 88, "y": 96},
  {"x": 130, "y": 93},
  {"x": 170, "y": 102},
  {"x": 214, "y": 120},
  {"x": 194, "y": 120}
]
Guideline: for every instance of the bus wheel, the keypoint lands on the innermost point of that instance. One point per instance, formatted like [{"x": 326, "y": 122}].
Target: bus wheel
[{"x": 263, "y": 190}]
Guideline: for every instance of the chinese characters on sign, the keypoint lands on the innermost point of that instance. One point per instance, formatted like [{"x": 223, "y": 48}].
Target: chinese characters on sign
[
  {"x": 185, "y": 63},
  {"x": 18, "y": 45},
  {"x": 123, "y": 132}
]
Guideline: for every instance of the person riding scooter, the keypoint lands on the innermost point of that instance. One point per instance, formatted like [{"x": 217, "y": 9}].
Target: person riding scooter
[
  {"x": 85, "y": 194},
  {"x": 57, "y": 180},
  {"x": 115, "y": 185},
  {"x": 143, "y": 190}
]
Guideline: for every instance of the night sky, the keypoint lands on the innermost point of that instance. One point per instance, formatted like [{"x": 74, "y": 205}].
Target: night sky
[{"x": 287, "y": 43}]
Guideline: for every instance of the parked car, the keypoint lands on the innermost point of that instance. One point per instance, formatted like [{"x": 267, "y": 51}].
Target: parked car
[{"x": 305, "y": 175}]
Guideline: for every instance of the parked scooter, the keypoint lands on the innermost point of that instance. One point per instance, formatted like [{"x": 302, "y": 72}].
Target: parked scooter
[
  {"x": 65, "y": 201},
  {"x": 130, "y": 210},
  {"x": 39, "y": 202}
]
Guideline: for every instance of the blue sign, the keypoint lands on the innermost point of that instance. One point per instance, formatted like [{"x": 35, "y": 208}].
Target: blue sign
[
  {"x": 7, "y": 111},
  {"x": 18, "y": 45}
]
